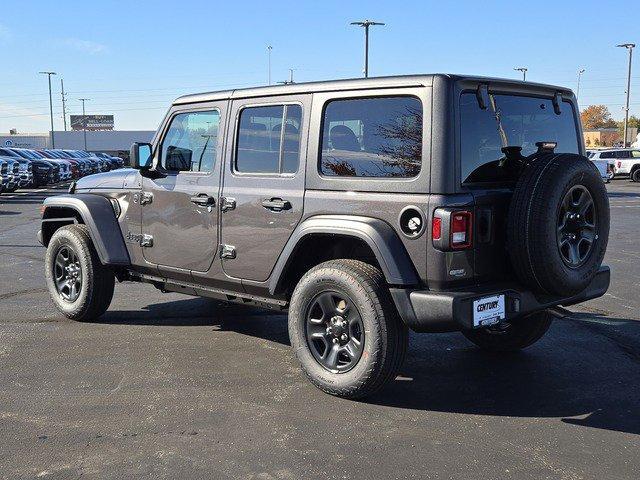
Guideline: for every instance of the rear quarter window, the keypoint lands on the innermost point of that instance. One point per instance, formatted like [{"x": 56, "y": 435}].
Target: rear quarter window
[{"x": 372, "y": 137}]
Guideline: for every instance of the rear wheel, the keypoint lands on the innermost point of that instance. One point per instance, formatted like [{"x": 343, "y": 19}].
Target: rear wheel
[
  {"x": 635, "y": 175},
  {"x": 345, "y": 330},
  {"x": 79, "y": 285},
  {"x": 507, "y": 336}
]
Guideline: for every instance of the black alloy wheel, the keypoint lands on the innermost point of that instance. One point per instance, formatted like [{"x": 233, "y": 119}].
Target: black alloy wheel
[
  {"x": 68, "y": 274},
  {"x": 334, "y": 331},
  {"x": 576, "y": 226}
]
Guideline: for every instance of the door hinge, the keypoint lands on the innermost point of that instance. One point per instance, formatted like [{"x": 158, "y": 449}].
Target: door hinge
[
  {"x": 227, "y": 251},
  {"x": 227, "y": 203},
  {"x": 146, "y": 240},
  {"x": 146, "y": 198}
]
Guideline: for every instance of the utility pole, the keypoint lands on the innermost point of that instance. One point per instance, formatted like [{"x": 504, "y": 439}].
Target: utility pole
[
  {"x": 366, "y": 24},
  {"x": 64, "y": 105},
  {"x": 524, "y": 71},
  {"x": 269, "y": 48},
  {"x": 48, "y": 74},
  {"x": 580, "y": 72},
  {"x": 84, "y": 122},
  {"x": 630, "y": 47}
]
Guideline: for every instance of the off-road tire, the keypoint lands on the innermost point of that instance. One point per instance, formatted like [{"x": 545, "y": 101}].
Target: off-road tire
[
  {"x": 635, "y": 175},
  {"x": 511, "y": 336},
  {"x": 386, "y": 336},
  {"x": 532, "y": 224},
  {"x": 98, "y": 281}
]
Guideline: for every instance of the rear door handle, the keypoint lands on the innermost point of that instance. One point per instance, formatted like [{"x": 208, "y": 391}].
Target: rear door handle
[
  {"x": 204, "y": 200},
  {"x": 276, "y": 204}
]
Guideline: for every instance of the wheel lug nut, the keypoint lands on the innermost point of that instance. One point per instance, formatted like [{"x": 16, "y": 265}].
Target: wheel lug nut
[
  {"x": 343, "y": 337},
  {"x": 335, "y": 340},
  {"x": 344, "y": 323}
]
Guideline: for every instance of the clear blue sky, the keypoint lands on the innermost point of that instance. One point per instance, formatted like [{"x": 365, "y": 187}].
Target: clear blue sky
[{"x": 132, "y": 58}]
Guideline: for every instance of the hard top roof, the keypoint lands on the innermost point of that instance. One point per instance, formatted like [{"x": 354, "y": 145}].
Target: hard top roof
[{"x": 424, "y": 80}]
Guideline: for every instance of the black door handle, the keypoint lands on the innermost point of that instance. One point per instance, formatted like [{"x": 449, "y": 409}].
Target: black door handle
[
  {"x": 276, "y": 204},
  {"x": 204, "y": 200}
]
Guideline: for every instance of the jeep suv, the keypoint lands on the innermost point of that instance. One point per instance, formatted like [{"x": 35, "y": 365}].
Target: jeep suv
[{"x": 363, "y": 207}]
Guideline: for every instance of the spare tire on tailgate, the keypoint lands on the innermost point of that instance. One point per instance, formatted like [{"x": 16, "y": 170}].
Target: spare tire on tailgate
[{"x": 558, "y": 223}]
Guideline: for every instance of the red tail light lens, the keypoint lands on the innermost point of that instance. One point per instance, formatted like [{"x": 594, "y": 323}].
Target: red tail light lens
[
  {"x": 619, "y": 164},
  {"x": 461, "y": 223},
  {"x": 436, "y": 228}
]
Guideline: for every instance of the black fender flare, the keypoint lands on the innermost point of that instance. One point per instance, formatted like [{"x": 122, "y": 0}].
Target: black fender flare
[
  {"x": 381, "y": 237},
  {"x": 97, "y": 214}
]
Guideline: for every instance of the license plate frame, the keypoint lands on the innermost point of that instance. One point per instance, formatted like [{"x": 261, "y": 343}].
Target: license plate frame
[{"x": 489, "y": 310}]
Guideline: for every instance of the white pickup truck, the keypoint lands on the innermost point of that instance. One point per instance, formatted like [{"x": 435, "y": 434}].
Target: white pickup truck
[{"x": 624, "y": 161}]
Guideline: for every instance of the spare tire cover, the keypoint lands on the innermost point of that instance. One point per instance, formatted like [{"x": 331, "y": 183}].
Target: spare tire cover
[{"x": 558, "y": 224}]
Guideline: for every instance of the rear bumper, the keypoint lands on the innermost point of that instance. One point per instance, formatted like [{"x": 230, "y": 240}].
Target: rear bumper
[{"x": 427, "y": 311}]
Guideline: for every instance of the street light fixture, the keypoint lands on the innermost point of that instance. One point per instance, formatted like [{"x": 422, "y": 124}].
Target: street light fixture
[
  {"x": 580, "y": 72},
  {"x": 366, "y": 24},
  {"x": 524, "y": 71},
  {"x": 48, "y": 74},
  {"x": 84, "y": 122},
  {"x": 630, "y": 47}
]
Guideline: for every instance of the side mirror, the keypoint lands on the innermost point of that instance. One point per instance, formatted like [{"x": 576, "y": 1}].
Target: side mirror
[{"x": 140, "y": 156}]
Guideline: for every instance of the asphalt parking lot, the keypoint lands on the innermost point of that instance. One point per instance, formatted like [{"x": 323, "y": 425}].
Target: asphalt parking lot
[{"x": 179, "y": 387}]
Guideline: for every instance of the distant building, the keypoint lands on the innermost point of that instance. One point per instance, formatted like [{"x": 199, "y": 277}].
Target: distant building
[
  {"x": 114, "y": 142},
  {"x": 607, "y": 137},
  {"x": 602, "y": 137}
]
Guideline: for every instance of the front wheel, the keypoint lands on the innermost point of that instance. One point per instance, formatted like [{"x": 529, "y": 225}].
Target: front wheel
[
  {"x": 79, "y": 285},
  {"x": 345, "y": 329},
  {"x": 509, "y": 337}
]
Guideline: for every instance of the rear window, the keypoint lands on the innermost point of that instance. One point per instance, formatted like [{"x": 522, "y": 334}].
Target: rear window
[
  {"x": 509, "y": 121},
  {"x": 372, "y": 137}
]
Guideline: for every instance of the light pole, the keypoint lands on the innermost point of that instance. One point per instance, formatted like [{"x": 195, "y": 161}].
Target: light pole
[
  {"x": 84, "y": 122},
  {"x": 366, "y": 24},
  {"x": 64, "y": 104},
  {"x": 290, "y": 81},
  {"x": 48, "y": 74},
  {"x": 524, "y": 71},
  {"x": 630, "y": 47},
  {"x": 580, "y": 72},
  {"x": 269, "y": 48}
]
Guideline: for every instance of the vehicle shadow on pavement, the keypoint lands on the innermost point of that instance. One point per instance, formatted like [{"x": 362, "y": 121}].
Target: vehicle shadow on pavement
[
  {"x": 584, "y": 371},
  {"x": 243, "y": 319},
  {"x": 587, "y": 374}
]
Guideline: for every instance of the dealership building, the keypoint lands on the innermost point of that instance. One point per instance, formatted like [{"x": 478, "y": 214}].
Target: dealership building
[{"x": 96, "y": 130}]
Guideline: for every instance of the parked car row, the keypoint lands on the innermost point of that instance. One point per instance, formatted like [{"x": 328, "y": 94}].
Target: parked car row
[
  {"x": 26, "y": 168},
  {"x": 619, "y": 161}
]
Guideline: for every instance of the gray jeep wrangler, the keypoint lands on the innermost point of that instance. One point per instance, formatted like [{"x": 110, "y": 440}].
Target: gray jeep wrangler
[{"x": 364, "y": 207}]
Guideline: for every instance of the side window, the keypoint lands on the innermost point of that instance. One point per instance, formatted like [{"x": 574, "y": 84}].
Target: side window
[
  {"x": 269, "y": 139},
  {"x": 372, "y": 137},
  {"x": 191, "y": 141},
  {"x": 635, "y": 153},
  {"x": 606, "y": 155}
]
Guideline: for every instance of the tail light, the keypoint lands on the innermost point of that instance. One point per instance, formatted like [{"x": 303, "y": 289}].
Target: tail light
[
  {"x": 461, "y": 223},
  {"x": 452, "y": 229},
  {"x": 436, "y": 228}
]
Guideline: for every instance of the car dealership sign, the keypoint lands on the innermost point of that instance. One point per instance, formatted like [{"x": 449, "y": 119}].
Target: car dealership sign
[{"x": 94, "y": 122}]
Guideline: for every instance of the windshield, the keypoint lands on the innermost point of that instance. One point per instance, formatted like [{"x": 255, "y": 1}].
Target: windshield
[{"x": 509, "y": 121}]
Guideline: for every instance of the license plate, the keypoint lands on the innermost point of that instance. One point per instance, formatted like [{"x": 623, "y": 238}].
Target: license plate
[{"x": 488, "y": 310}]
